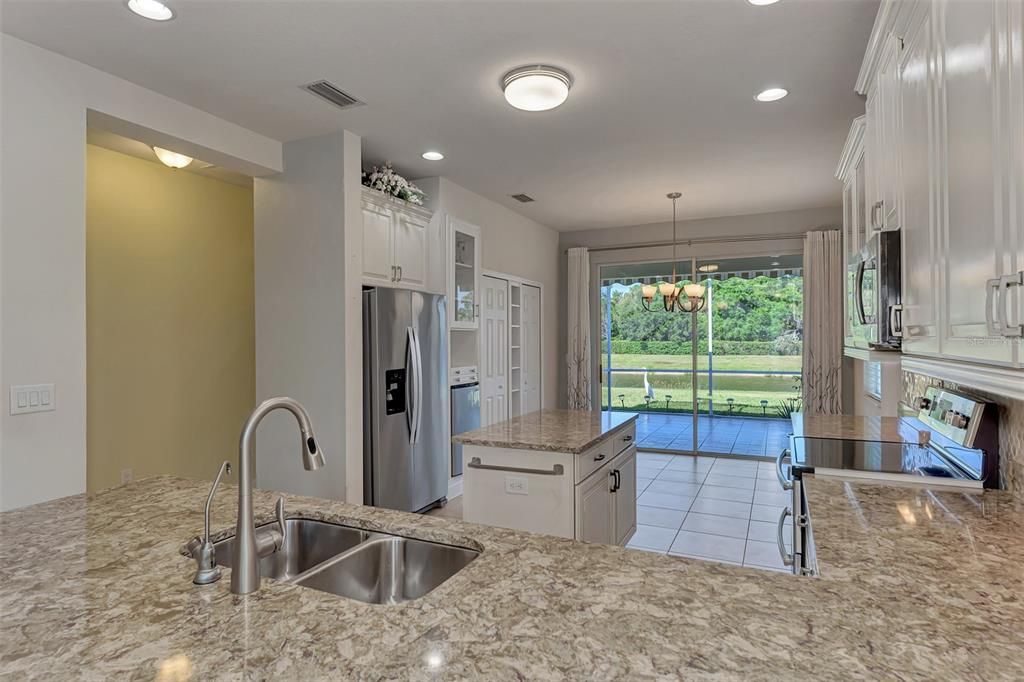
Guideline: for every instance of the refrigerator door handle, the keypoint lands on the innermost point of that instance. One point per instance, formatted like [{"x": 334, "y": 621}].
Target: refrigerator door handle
[
  {"x": 410, "y": 381},
  {"x": 418, "y": 367}
]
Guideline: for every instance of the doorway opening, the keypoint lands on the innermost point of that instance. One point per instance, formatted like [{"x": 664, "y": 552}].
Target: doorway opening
[{"x": 724, "y": 380}]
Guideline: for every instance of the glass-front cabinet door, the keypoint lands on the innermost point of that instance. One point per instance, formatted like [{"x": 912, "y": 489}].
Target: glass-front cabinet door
[{"x": 464, "y": 274}]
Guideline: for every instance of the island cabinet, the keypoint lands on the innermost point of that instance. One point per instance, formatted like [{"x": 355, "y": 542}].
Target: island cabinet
[{"x": 582, "y": 488}]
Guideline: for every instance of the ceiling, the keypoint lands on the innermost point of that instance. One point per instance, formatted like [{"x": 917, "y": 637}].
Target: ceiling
[{"x": 662, "y": 97}]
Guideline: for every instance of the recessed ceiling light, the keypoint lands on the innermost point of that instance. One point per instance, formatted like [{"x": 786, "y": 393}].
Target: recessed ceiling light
[
  {"x": 771, "y": 94},
  {"x": 172, "y": 159},
  {"x": 536, "y": 88},
  {"x": 151, "y": 9},
  {"x": 775, "y": 262},
  {"x": 761, "y": 3},
  {"x": 433, "y": 156}
]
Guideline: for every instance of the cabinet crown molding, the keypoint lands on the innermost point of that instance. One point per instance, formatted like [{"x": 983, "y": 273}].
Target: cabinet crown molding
[
  {"x": 892, "y": 19},
  {"x": 377, "y": 197},
  {"x": 852, "y": 149}
]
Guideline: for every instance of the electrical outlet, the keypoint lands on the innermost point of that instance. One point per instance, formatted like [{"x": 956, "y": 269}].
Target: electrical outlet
[
  {"x": 126, "y": 475},
  {"x": 33, "y": 398},
  {"x": 517, "y": 485}
]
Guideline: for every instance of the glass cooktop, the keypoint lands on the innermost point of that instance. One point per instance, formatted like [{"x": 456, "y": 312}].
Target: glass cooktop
[{"x": 809, "y": 454}]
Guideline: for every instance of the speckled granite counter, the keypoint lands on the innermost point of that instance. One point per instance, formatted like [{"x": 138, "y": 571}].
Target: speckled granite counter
[
  {"x": 572, "y": 431},
  {"x": 849, "y": 427},
  {"x": 94, "y": 588}
]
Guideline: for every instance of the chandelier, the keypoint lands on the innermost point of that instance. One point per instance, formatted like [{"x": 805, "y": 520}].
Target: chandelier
[{"x": 675, "y": 296}]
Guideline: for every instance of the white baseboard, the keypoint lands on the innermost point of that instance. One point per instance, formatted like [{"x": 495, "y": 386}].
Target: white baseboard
[{"x": 454, "y": 487}]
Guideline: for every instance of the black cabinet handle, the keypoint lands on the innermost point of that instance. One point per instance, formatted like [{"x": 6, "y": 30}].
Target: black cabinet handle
[
  {"x": 627, "y": 439},
  {"x": 599, "y": 458},
  {"x": 613, "y": 488},
  {"x": 618, "y": 480}
]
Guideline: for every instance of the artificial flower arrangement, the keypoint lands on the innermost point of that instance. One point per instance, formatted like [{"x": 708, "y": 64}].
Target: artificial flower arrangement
[{"x": 385, "y": 179}]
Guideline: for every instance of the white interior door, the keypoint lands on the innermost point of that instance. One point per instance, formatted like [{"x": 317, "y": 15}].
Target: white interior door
[
  {"x": 530, "y": 320},
  {"x": 493, "y": 351}
]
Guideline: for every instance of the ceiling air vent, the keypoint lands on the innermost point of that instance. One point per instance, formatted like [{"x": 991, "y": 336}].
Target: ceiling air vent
[
  {"x": 328, "y": 91},
  {"x": 522, "y": 198}
]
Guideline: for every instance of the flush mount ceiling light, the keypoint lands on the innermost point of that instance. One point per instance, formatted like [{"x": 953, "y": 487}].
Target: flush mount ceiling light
[
  {"x": 172, "y": 159},
  {"x": 771, "y": 94},
  {"x": 710, "y": 267},
  {"x": 762, "y": 3},
  {"x": 151, "y": 9},
  {"x": 433, "y": 156},
  {"x": 536, "y": 88}
]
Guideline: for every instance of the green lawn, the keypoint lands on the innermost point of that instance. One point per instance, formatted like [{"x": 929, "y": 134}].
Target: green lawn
[
  {"x": 778, "y": 363},
  {"x": 746, "y": 390}
]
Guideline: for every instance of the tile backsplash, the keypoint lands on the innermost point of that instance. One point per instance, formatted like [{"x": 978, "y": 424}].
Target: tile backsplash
[{"x": 1011, "y": 426}]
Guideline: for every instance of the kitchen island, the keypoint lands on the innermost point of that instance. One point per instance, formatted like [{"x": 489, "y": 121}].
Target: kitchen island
[
  {"x": 570, "y": 473},
  {"x": 915, "y": 584}
]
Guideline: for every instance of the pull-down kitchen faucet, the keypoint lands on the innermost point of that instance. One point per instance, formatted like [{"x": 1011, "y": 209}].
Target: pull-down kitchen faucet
[{"x": 250, "y": 544}]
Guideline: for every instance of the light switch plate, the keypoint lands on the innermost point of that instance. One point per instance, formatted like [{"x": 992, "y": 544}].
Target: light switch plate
[
  {"x": 517, "y": 485},
  {"x": 33, "y": 398}
]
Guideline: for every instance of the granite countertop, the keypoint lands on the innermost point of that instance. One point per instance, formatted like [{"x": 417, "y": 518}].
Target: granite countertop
[
  {"x": 849, "y": 427},
  {"x": 95, "y": 588},
  {"x": 572, "y": 431}
]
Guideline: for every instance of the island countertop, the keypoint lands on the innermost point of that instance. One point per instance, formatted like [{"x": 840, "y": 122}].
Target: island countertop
[
  {"x": 916, "y": 585},
  {"x": 572, "y": 431}
]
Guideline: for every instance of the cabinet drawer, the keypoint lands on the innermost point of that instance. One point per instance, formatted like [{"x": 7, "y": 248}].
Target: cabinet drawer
[
  {"x": 623, "y": 439},
  {"x": 593, "y": 459}
]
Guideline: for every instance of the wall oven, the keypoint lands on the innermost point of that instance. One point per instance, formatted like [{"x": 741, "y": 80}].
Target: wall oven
[{"x": 876, "y": 311}]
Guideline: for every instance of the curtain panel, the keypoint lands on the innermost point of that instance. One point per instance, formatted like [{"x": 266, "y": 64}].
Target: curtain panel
[
  {"x": 823, "y": 322},
  {"x": 578, "y": 370}
]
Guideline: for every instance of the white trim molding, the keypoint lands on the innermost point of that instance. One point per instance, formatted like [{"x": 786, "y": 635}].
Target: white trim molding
[
  {"x": 880, "y": 356},
  {"x": 996, "y": 380},
  {"x": 853, "y": 148}
]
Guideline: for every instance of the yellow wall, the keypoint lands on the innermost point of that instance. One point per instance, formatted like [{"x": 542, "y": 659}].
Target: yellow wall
[{"x": 170, "y": 373}]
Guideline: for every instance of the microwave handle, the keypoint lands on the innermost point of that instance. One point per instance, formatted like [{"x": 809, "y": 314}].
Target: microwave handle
[
  {"x": 993, "y": 327},
  {"x": 859, "y": 287},
  {"x": 896, "y": 320}
]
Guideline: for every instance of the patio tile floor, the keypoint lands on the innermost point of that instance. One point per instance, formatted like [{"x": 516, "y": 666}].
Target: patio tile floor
[{"x": 719, "y": 434}]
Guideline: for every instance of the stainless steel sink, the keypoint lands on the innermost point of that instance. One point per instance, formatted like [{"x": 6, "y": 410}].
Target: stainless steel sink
[
  {"x": 307, "y": 543},
  {"x": 388, "y": 569},
  {"x": 371, "y": 567}
]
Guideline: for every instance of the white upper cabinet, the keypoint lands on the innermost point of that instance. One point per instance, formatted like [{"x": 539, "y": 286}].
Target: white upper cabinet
[
  {"x": 954, "y": 113},
  {"x": 396, "y": 245},
  {"x": 919, "y": 220},
  {"x": 463, "y": 275},
  {"x": 411, "y": 252},
  {"x": 377, "y": 244},
  {"x": 975, "y": 234}
]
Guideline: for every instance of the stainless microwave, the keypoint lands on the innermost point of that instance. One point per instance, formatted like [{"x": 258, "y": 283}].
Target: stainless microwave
[{"x": 876, "y": 310}]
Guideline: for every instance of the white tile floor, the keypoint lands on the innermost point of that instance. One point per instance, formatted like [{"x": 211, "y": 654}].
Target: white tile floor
[{"x": 710, "y": 508}]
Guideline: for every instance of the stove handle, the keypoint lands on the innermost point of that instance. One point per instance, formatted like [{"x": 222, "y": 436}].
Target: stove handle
[
  {"x": 783, "y": 481},
  {"x": 787, "y": 558}
]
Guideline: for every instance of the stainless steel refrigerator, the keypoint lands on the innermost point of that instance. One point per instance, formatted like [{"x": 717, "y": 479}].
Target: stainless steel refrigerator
[{"x": 405, "y": 399}]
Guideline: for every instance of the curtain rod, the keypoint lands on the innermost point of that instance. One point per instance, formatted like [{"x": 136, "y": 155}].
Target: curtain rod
[{"x": 702, "y": 240}]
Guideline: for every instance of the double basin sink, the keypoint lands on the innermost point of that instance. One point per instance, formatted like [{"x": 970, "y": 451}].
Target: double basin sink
[{"x": 371, "y": 567}]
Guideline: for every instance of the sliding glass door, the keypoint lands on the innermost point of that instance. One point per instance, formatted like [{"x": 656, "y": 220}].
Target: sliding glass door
[{"x": 720, "y": 381}]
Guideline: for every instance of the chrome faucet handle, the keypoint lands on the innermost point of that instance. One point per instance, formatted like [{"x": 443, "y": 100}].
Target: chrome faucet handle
[
  {"x": 281, "y": 525},
  {"x": 207, "y": 570}
]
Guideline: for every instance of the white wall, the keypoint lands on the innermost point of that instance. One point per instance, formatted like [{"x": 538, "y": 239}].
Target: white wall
[
  {"x": 515, "y": 245},
  {"x": 301, "y": 350},
  {"x": 44, "y": 100}
]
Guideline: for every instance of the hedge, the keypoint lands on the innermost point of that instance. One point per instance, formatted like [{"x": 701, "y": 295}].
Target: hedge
[{"x": 624, "y": 347}]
